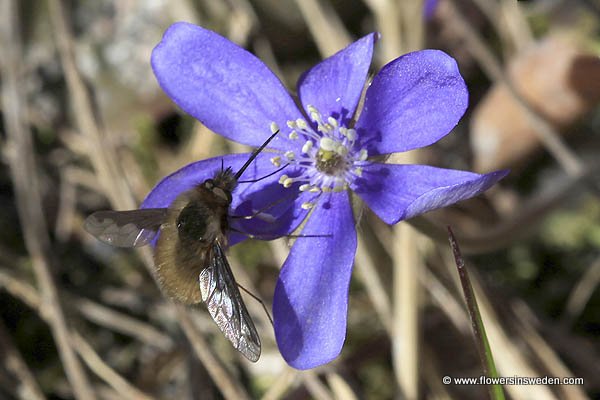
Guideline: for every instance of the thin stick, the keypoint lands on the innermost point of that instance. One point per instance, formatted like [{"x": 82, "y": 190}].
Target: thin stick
[
  {"x": 228, "y": 386},
  {"x": 108, "y": 375},
  {"x": 29, "y": 296},
  {"x": 367, "y": 271},
  {"x": 325, "y": 25},
  {"x": 115, "y": 187},
  {"x": 122, "y": 323},
  {"x": 581, "y": 293},
  {"x": 99, "y": 149},
  {"x": 28, "y": 197},
  {"x": 94, "y": 312}
]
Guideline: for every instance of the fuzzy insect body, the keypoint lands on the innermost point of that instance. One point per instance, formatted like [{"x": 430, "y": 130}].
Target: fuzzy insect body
[{"x": 189, "y": 255}]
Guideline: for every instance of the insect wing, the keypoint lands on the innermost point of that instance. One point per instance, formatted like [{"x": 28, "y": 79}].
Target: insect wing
[
  {"x": 132, "y": 228},
  {"x": 224, "y": 303}
]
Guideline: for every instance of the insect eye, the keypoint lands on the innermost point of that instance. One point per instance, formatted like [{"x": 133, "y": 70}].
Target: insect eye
[
  {"x": 209, "y": 184},
  {"x": 224, "y": 194},
  {"x": 191, "y": 222}
]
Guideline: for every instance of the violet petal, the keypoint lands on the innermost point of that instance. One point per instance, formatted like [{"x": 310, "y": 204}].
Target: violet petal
[
  {"x": 311, "y": 296},
  {"x": 335, "y": 84},
  {"x": 222, "y": 85},
  {"x": 397, "y": 192},
  {"x": 412, "y": 102}
]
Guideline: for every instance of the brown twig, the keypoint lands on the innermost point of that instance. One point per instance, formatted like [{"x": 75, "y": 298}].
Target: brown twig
[
  {"x": 325, "y": 25},
  {"x": 228, "y": 386},
  {"x": 28, "y": 295},
  {"x": 106, "y": 167},
  {"x": 28, "y": 196},
  {"x": 100, "y": 152},
  {"x": 101, "y": 369},
  {"x": 123, "y": 323}
]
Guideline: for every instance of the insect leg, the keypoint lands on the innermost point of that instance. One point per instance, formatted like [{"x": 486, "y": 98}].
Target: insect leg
[
  {"x": 266, "y": 176},
  {"x": 263, "y": 209},
  {"x": 259, "y": 300}
]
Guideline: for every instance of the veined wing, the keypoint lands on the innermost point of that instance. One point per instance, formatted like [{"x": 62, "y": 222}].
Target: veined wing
[
  {"x": 224, "y": 303},
  {"x": 132, "y": 228}
]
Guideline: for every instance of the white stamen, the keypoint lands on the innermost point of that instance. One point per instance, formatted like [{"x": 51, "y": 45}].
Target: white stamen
[
  {"x": 287, "y": 182},
  {"x": 362, "y": 155},
  {"x": 290, "y": 155},
  {"x": 276, "y": 161},
  {"x": 300, "y": 123},
  {"x": 332, "y": 168},
  {"x": 274, "y": 127},
  {"x": 307, "y": 146}
]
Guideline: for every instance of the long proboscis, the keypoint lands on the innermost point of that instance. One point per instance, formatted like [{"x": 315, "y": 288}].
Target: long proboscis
[{"x": 255, "y": 154}]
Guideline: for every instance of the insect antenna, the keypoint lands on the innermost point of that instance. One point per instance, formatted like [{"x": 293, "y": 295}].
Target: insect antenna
[{"x": 255, "y": 154}]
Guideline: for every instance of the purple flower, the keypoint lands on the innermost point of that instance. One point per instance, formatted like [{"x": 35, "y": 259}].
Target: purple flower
[{"x": 412, "y": 102}]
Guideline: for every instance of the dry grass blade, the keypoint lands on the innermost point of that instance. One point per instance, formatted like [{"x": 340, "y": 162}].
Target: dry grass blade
[
  {"x": 317, "y": 389},
  {"x": 282, "y": 384},
  {"x": 100, "y": 368},
  {"x": 582, "y": 292},
  {"x": 386, "y": 16},
  {"x": 229, "y": 387},
  {"x": 99, "y": 149},
  {"x": 367, "y": 272},
  {"x": 545, "y": 353},
  {"x": 114, "y": 186},
  {"x": 29, "y": 296},
  {"x": 27, "y": 193},
  {"x": 405, "y": 341},
  {"x": 325, "y": 26},
  {"x": 122, "y": 323},
  {"x": 510, "y": 361}
]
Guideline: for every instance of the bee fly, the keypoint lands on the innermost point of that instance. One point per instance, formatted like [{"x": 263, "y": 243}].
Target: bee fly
[{"x": 189, "y": 256}]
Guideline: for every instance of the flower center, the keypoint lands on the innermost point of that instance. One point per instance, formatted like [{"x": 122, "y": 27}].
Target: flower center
[{"x": 328, "y": 160}]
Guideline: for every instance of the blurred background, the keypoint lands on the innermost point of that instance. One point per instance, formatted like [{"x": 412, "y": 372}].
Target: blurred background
[{"x": 86, "y": 127}]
